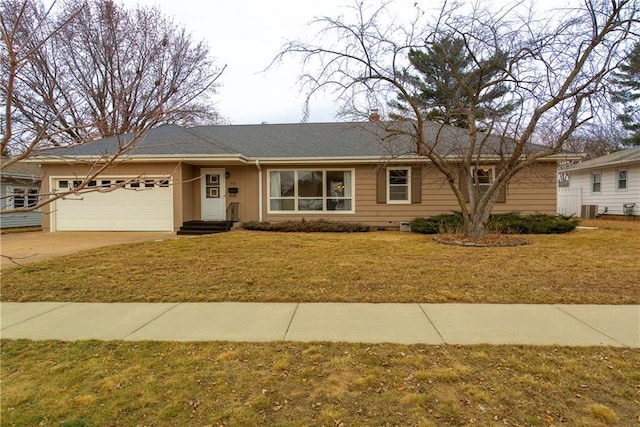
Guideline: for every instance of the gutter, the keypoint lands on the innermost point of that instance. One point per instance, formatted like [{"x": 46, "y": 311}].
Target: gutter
[
  {"x": 587, "y": 166},
  {"x": 260, "y": 202},
  {"x": 222, "y": 158}
]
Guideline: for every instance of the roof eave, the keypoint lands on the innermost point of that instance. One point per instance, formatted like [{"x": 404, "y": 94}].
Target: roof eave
[
  {"x": 217, "y": 158},
  {"x": 622, "y": 162},
  {"x": 141, "y": 158}
]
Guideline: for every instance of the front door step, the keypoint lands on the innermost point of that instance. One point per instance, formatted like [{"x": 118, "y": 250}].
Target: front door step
[{"x": 204, "y": 227}]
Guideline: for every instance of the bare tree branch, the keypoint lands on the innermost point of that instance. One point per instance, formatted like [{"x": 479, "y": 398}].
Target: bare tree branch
[{"x": 554, "y": 66}]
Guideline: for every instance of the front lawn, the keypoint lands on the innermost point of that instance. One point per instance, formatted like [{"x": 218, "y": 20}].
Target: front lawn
[
  {"x": 586, "y": 266},
  {"x": 91, "y": 383}
]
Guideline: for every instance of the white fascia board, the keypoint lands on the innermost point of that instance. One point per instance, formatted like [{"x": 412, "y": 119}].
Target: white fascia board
[
  {"x": 270, "y": 160},
  {"x": 141, "y": 159},
  {"x": 336, "y": 160},
  {"x": 588, "y": 165}
]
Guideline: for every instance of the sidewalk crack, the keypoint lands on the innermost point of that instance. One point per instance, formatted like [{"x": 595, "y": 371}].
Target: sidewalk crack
[
  {"x": 557, "y": 307},
  {"x": 286, "y": 333},
  {"x": 151, "y": 320},
  {"x": 63, "y": 304},
  {"x": 431, "y": 323}
]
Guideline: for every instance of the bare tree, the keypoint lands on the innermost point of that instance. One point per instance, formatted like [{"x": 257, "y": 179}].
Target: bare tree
[
  {"x": 91, "y": 70},
  {"x": 554, "y": 66},
  {"x": 95, "y": 69}
]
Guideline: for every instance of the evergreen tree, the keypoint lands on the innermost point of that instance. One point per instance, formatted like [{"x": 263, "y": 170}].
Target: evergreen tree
[
  {"x": 433, "y": 73},
  {"x": 627, "y": 80}
]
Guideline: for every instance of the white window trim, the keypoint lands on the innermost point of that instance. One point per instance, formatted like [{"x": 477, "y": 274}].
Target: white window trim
[
  {"x": 26, "y": 192},
  {"x": 493, "y": 173},
  {"x": 591, "y": 181},
  {"x": 324, "y": 192},
  {"x": 618, "y": 180},
  {"x": 388, "y": 184}
]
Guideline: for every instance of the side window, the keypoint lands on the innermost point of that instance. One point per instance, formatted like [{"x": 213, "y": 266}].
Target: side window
[
  {"x": 398, "y": 185},
  {"x": 621, "y": 183},
  {"x": 596, "y": 181},
  {"x": 25, "y": 198},
  {"x": 19, "y": 198},
  {"x": 33, "y": 197}
]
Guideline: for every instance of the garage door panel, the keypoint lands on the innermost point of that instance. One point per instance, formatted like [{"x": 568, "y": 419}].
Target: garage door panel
[{"x": 123, "y": 209}]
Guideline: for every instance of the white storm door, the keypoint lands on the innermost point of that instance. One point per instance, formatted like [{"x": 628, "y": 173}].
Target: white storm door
[{"x": 213, "y": 195}]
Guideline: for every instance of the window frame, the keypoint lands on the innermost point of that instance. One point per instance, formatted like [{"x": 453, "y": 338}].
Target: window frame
[
  {"x": 484, "y": 186},
  {"x": 296, "y": 198},
  {"x": 492, "y": 176},
  {"x": 592, "y": 182},
  {"x": 626, "y": 179},
  {"x": 389, "y": 185},
  {"x": 29, "y": 197}
]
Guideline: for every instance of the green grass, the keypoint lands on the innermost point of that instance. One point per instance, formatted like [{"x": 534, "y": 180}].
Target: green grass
[
  {"x": 585, "y": 266},
  {"x": 289, "y": 384}
]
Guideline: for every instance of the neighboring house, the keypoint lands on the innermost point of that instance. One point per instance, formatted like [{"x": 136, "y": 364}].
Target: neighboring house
[
  {"x": 269, "y": 172},
  {"x": 607, "y": 185},
  {"x": 19, "y": 188}
]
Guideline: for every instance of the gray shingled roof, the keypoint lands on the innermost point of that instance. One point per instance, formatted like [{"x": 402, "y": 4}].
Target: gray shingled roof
[
  {"x": 622, "y": 157},
  {"x": 279, "y": 141},
  {"x": 20, "y": 170}
]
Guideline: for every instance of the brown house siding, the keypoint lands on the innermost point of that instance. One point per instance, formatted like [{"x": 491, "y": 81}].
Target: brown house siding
[
  {"x": 532, "y": 190},
  {"x": 188, "y": 205}
]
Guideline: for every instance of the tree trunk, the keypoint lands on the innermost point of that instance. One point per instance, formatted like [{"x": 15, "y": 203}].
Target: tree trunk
[
  {"x": 479, "y": 209},
  {"x": 475, "y": 224}
]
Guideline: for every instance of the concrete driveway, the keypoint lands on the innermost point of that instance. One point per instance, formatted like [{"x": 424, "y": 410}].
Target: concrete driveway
[{"x": 30, "y": 247}]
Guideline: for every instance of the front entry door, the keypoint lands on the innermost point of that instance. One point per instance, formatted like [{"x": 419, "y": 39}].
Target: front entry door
[{"x": 213, "y": 195}]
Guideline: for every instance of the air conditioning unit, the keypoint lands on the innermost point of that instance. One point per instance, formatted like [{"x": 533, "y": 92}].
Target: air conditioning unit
[
  {"x": 405, "y": 226},
  {"x": 589, "y": 211}
]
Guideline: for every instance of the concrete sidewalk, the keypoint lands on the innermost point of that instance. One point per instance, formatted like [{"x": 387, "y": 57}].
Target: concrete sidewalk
[{"x": 567, "y": 325}]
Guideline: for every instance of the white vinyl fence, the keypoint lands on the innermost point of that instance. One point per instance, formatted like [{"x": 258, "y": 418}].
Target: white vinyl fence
[{"x": 569, "y": 201}]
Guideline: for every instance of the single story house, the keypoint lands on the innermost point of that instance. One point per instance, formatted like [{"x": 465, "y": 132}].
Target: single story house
[
  {"x": 607, "y": 185},
  {"x": 19, "y": 188},
  {"x": 350, "y": 172}
]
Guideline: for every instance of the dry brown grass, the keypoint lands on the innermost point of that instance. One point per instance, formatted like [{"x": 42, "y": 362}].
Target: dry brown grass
[
  {"x": 292, "y": 384},
  {"x": 599, "y": 266}
]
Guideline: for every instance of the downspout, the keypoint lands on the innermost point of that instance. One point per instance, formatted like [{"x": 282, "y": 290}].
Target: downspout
[{"x": 260, "y": 201}]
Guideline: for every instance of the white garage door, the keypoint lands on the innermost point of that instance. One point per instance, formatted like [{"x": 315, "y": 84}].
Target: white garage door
[{"x": 145, "y": 205}]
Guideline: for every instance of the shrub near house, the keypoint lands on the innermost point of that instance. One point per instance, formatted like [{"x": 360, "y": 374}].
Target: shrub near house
[{"x": 508, "y": 223}]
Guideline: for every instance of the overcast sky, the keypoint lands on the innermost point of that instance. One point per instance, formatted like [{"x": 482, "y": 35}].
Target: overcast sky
[{"x": 246, "y": 35}]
